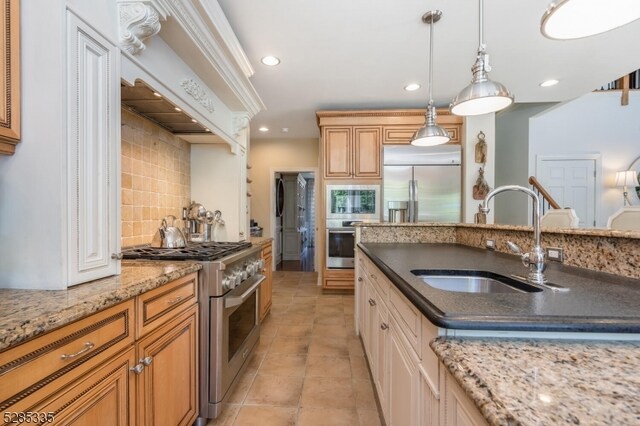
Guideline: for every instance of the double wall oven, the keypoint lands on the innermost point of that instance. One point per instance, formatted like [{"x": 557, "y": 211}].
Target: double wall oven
[
  {"x": 229, "y": 322},
  {"x": 347, "y": 204}
]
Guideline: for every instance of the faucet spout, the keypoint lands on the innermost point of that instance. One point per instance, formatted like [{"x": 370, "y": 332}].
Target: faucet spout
[{"x": 534, "y": 260}]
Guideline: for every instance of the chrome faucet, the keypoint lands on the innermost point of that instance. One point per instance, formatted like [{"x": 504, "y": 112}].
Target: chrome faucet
[{"x": 534, "y": 260}]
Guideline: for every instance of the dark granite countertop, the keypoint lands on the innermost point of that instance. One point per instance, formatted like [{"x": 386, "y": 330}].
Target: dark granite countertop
[{"x": 597, "y": 302}]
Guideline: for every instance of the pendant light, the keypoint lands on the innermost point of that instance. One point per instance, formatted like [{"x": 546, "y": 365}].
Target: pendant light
[
  {"x": 482, "y": 96},
  {"x": 430, "y": 134},
  {"x": 571, "y": 19}
]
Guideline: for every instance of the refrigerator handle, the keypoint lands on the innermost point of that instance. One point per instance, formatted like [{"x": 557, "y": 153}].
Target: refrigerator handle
[{"x": 413, "y": 200}]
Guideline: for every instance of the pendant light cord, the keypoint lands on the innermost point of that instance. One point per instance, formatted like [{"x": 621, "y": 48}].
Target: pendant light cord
[
  {"x": 481, "y": 27},
  {"x": 431, "y": 63}
]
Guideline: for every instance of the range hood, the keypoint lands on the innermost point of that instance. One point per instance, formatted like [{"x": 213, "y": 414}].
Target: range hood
[{"x": 143, "y": 100}]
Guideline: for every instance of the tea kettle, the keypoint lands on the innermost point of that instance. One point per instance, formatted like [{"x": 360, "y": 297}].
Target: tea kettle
[{"x": 168, "y": 236}]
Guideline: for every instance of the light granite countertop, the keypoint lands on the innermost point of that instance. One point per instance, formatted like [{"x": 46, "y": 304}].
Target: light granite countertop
[
  {"x": 260, "y": 241},
  {"x": 28, "y": 313},
  {"x": 547, "y": 382}
]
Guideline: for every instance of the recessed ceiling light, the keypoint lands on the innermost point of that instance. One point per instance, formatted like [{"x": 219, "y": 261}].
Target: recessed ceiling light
[
  {"x": 272, "y": 61},
  {"x": 157, "y": 94},
  {"x": 177, "y": 109},
  {"x": 207, "y": 130},
  {"x": 264, "y": 129},
  {"x": 194, "y": 120},
  {"x": 285, "y": 130},
  {"x": 412, "y": 87},
  {"x": 549, "y": 83}
]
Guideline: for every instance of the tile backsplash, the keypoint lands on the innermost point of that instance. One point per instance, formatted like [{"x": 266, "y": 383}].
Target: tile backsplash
[{"x": 156, "y": 176}]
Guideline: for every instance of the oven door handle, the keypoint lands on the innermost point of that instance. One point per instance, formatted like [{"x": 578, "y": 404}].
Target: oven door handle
[{"x": 230, "y": 302}]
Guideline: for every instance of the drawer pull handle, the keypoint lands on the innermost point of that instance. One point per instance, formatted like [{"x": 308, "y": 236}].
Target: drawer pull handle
[
  {"x": 384, "y": 326},
  {"x": 147, "y": 361},
  {"x": 137, "y": 368},
  {"x": 359, "y": 279},
  {"x": 372, "y": 302},
  {"x": 174, "y": 300},
  {"x": 87, "y": 347}
]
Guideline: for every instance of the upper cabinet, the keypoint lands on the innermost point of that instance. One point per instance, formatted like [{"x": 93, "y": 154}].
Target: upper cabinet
[
  {"x": 352, "y": 152},
  {"x": 10, "y": 87}
]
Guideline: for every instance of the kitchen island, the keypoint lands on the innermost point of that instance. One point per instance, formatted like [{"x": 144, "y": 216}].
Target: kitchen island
[{"x": 468, "y": 358}]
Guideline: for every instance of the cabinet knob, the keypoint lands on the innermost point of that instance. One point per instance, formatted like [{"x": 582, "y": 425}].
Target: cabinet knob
[
  {"x": 359, "y": 279},
  {"x": 147, "y": 361},
  {"x": 137, "y": 368},
  {"x": 372, "y": 302},
  {"x": 116, "y": 256},
  {"x": 384, "y": 326}
]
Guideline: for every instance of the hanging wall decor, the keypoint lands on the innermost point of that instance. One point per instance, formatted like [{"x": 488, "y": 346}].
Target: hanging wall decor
[
  {"x": 481, "y": 149},
  {"x": 481, "y": 188}
]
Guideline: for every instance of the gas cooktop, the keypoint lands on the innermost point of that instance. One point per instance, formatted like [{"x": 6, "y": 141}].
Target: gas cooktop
[{"x": 193, "y": 251}]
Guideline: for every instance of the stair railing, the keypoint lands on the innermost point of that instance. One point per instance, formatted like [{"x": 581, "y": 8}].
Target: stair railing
[{"x": 546, "y": 199}]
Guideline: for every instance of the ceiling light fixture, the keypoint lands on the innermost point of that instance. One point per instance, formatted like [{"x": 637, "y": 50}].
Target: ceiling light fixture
[
  {"x": 157, "y": 94},
  {"x": 482, "y": 96},
  {"x": 194, "y": 120},
  {"x": 571, "y": 19},
  {"x": 549, "y": 83},
  {"x": 430, "y": 134},
  {"x": 263, "y": 129},
  {"x": 412, "y": 87},
  {"x": 271, "y": 61},
  {"x": 177, "y": 109}
]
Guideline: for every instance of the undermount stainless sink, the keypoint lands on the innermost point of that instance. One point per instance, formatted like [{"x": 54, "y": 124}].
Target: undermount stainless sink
[{"x": 472, "y": 281}]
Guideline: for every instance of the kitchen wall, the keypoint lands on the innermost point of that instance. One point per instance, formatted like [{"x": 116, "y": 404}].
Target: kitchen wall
[
  {"x": 156, "y": 175},
  {"x": 472, "y": 127},
  {"x": 268, "y": 156},
  {"x": 512, "y": 161}
]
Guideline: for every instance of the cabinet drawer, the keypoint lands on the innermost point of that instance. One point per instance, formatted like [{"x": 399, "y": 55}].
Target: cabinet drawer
[
  {"x": 380, "y": 282},
  {"x": 409, "y": 318},
  {"x": 154, "y": 306},
  {"x": 35, "y": 363},
  {"x": 266, "y": 251}
]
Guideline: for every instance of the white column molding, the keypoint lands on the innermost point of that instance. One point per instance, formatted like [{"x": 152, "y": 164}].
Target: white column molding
[
  {"x": 139, "y": 20},
  {"x": 240, "y": 122}
]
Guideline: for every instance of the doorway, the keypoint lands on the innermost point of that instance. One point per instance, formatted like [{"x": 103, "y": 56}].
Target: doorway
[
  {"x": 572, "y": 182},
  {"x": 295, "y": 220}
]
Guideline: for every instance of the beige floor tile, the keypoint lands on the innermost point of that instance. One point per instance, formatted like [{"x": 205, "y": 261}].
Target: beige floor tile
[
  {"x": 239, "y": 392},
  {"x": 290, "y": 345},
  {"x": 304, "y": 300},
  {"x": 291, "y": 318},
  {"x": 365, "y": 396},
  {"x": 329, "y": 310},
  {"x": 322, "y": 366},
  {"x": 331, "y": 319},
  {"x": 305, "y": 309},
  {"x": 283, "y": 365},
  {"x": 328, "y": 346},
  {"x": 227, "y": 416},
  {"x": 328, "y": 330},
  {"x": 355, "y": 347},
  {"x": 303, "y": 330},
  {"x": 266, "y": 416},
  {"x": 369, "y": 418},
  {"x": 330, "y": 300},
  {"x": 275, "y": 390},
  {"x": 268, "y": 328},
  {"x": 319, "y": 392},
  {"x": 264, "y": 344},
  {"x": 254, "y": 363},
  {"x": 327, "y": 417},
  {"x": 359, "y": 369}
]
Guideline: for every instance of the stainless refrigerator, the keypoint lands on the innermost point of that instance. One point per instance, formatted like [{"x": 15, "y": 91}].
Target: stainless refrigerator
[{"x": 429, "y": 178}]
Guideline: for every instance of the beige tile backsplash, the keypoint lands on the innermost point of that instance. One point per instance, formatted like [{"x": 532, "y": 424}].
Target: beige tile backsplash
[{"x": 156, "y": 175}]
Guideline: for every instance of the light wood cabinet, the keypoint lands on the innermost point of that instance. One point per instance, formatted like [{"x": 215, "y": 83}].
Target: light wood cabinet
[
  {"x": 352, "y": 152},
  {"x": 458, "y": 410},
  {"x": 94, "y": 371},
  {"x": 10, "y": 95},
  {"x": 402, "y": 134},
  {"x": 404, "y": 380},
  {"x": 266, "y": 288}
]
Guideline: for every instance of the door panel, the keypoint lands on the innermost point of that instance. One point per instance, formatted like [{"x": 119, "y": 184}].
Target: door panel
[
  {"x": 439, "y": 193},
  {"x": 572, "y": 184}
]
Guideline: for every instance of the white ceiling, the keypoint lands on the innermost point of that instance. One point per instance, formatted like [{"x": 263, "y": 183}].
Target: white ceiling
[{"x": 346, "y": 54}]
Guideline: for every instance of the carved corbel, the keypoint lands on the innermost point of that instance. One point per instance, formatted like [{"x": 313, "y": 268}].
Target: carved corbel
[
  {"x": 139, "y": 20},
  {"x": 240, "y": 122}
]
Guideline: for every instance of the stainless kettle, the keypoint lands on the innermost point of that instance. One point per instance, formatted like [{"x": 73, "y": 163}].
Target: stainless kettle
[{"x": 169, "y": 236}]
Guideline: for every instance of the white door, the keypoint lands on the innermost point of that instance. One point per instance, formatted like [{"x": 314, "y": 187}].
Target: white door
[{"x": 572, "y": 183}]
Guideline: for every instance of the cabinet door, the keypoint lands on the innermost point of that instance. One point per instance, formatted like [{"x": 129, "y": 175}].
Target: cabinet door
[
  {"x": 337, "y": 152},
  {"x": 381, "y": 376},
  {"x": 459, "y": 410},
  {"x": 366, "y": 152},
  {"x": 104, "y": 395},
  {"x": 429, "y": 401},
  {"x": 404, "y": 380},
  {"x": 168, "y": 385},
  {"x": 93, "y": 126},
  {"x": 266, "y": 286}
]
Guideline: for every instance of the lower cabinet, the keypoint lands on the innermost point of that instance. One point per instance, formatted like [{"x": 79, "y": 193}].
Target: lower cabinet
[
  {"x": 413, "y": 386},
  {"x": 266, "y": 288},
  {"x": 99, "y": 371}
]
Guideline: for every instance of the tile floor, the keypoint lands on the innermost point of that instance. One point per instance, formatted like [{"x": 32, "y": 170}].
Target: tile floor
[{"x": 309, "y": 368}]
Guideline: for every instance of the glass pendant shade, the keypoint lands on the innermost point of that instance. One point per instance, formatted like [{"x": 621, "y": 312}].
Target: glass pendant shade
[
  {"x": 482, "y": 96},
  {"x": 430, "y": 134},
  {"x": 572, "y": 19}
]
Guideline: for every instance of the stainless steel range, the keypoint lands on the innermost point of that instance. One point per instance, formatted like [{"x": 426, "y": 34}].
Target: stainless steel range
[{"x": 229, "y": 318}]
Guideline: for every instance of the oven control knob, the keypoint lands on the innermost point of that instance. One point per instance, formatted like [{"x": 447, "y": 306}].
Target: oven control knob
[
  {"x": 260, "y": 264},
  {"x": 226, "y": 283},
  {"x": 251, "y": 269},
  {"x": 244, "y": 275},
  {"x": 238, "y": 278}
]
